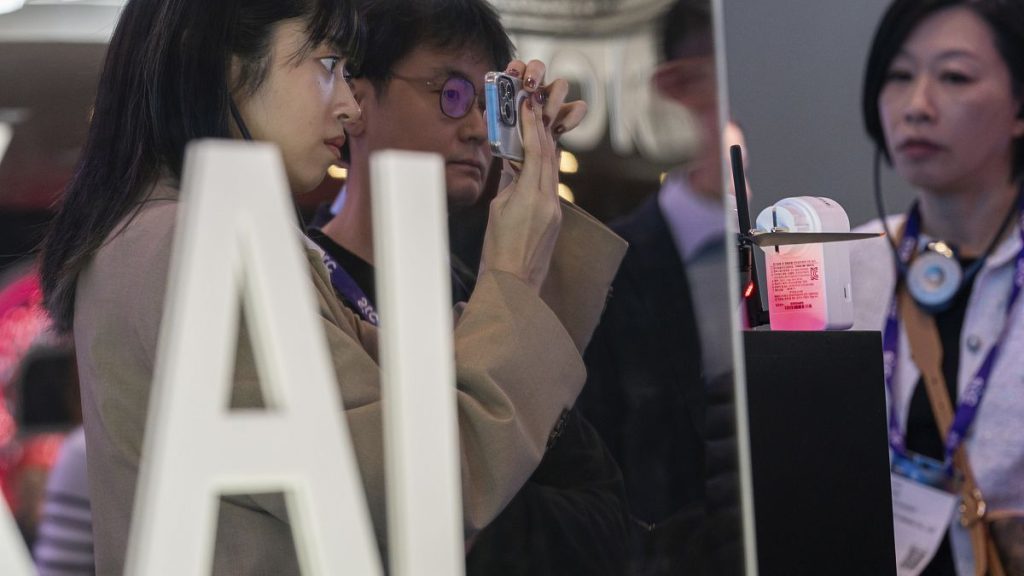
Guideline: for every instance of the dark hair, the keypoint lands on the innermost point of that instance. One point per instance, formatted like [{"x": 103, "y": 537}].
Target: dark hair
[
  {"x": 687, "y": 30},
  {"x": 165, "y": 82},
  {"x": 394, "y": 28},
  {"x": 1005, "y": 18}
]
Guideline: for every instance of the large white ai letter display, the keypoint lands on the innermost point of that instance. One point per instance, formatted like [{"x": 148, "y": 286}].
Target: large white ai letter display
[
  {"x": 420, "y": 434},
  {"x": 236, "y": 238}
]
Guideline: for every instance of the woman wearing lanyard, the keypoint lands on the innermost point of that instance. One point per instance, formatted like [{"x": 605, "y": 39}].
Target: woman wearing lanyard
[
  {"x": 274, "y": 70},
  {"x": 944, "y": 103}
]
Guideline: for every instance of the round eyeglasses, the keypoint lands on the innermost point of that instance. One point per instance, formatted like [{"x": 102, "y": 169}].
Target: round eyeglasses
[{"x": 456, "y": 94}]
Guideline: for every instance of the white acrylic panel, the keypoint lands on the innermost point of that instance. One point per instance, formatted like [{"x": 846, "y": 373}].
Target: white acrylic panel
[
  {"x": 7, "y": 6},
  {"x": 414, "y": 293},
  {"x": 742, "y": 418},
  {"x": 59, "y": 21},
  {"x": 14, "y": 557},
  {"x": 236, "y": 238},
  {"x": 6, "y": 133}
]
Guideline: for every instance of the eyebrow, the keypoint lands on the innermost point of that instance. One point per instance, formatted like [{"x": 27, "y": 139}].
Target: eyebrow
[
  {"x": 945, "y": 55},
  {"x": 447, "y": 71}
]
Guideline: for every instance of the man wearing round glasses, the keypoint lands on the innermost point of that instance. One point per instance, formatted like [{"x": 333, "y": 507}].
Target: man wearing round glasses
[
  {"x": 456, "y": 94},
  {"x": 429, "y": 105},
  {"x": 420, "y": 88}
]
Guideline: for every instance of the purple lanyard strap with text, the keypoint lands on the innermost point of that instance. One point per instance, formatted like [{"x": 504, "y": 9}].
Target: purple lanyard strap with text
[
  {"x": 347, "y": 288},
  {"x": 970, "y": 399}
]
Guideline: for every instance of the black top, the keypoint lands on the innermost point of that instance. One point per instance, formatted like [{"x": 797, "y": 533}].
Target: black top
[
  {"x": 363, "y": 273},
  {"x": 360, "y": 270},
  {"x": 922, "y": 433},
  {"x": 646, "y": 396}
]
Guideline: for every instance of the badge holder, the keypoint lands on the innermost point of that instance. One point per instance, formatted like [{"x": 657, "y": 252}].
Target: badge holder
[{"x": 924, "y": 499}]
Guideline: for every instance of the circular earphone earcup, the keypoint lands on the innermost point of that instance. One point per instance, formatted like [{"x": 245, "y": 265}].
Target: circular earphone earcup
[{"x": 934, "y": 279}]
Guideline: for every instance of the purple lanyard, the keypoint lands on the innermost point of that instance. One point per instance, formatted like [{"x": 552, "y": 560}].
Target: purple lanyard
[
  {"x": 347, "y": 288},
  {"x": 970, "y": 400}
]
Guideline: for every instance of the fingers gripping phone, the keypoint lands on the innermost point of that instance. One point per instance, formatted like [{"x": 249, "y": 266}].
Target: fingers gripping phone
[{"x": 504, "y": 96}]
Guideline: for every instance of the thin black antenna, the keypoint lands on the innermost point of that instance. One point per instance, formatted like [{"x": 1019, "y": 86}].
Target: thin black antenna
[
  {"x": 739, "y": 182},
  {"x": 750, "y": 291}
]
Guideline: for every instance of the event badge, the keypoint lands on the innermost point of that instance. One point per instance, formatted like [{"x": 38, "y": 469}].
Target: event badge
[{"x": 922, "y": 508}]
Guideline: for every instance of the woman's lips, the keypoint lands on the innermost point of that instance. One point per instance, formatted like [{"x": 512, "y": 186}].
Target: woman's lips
[
  {"x": 335, "y": 145},
  {"x": 919, "y": 149}
]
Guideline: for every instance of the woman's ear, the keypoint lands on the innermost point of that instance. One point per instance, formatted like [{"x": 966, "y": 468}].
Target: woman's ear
[{"x": 234, "y": 76}]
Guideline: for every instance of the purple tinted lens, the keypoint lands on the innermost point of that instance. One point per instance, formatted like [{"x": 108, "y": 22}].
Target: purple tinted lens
[{"x": 457, "y": 96}]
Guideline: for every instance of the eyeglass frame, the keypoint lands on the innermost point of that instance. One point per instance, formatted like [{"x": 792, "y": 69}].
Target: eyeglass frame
[{"x": 433, "y": 84}]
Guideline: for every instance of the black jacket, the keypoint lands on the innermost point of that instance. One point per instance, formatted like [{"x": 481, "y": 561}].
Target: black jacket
[{"x": 645, "y": 394}]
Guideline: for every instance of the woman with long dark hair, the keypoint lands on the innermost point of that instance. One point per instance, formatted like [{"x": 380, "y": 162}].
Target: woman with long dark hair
[
  {"x": 274, "y": 70},
  {"x": 944, "y": 104}
]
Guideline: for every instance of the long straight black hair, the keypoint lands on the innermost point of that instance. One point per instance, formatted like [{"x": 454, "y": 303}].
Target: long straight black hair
[{"x": 165, "y": 82}]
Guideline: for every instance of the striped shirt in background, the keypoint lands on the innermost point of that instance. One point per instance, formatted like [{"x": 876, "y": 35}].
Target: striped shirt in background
[{"x": 63, "y": 545}]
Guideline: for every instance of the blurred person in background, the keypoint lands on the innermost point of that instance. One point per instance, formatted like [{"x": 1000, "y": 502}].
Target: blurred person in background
[
  {"x": 39, "y": 398},
  {"x": 666, "y": 332}
]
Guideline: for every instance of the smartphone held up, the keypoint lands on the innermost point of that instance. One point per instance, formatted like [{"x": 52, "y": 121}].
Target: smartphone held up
[{"x": 504, "y": 96}]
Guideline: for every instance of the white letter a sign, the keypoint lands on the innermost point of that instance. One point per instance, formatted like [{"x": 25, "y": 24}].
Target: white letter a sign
[{"x": 235, "y": 222}]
